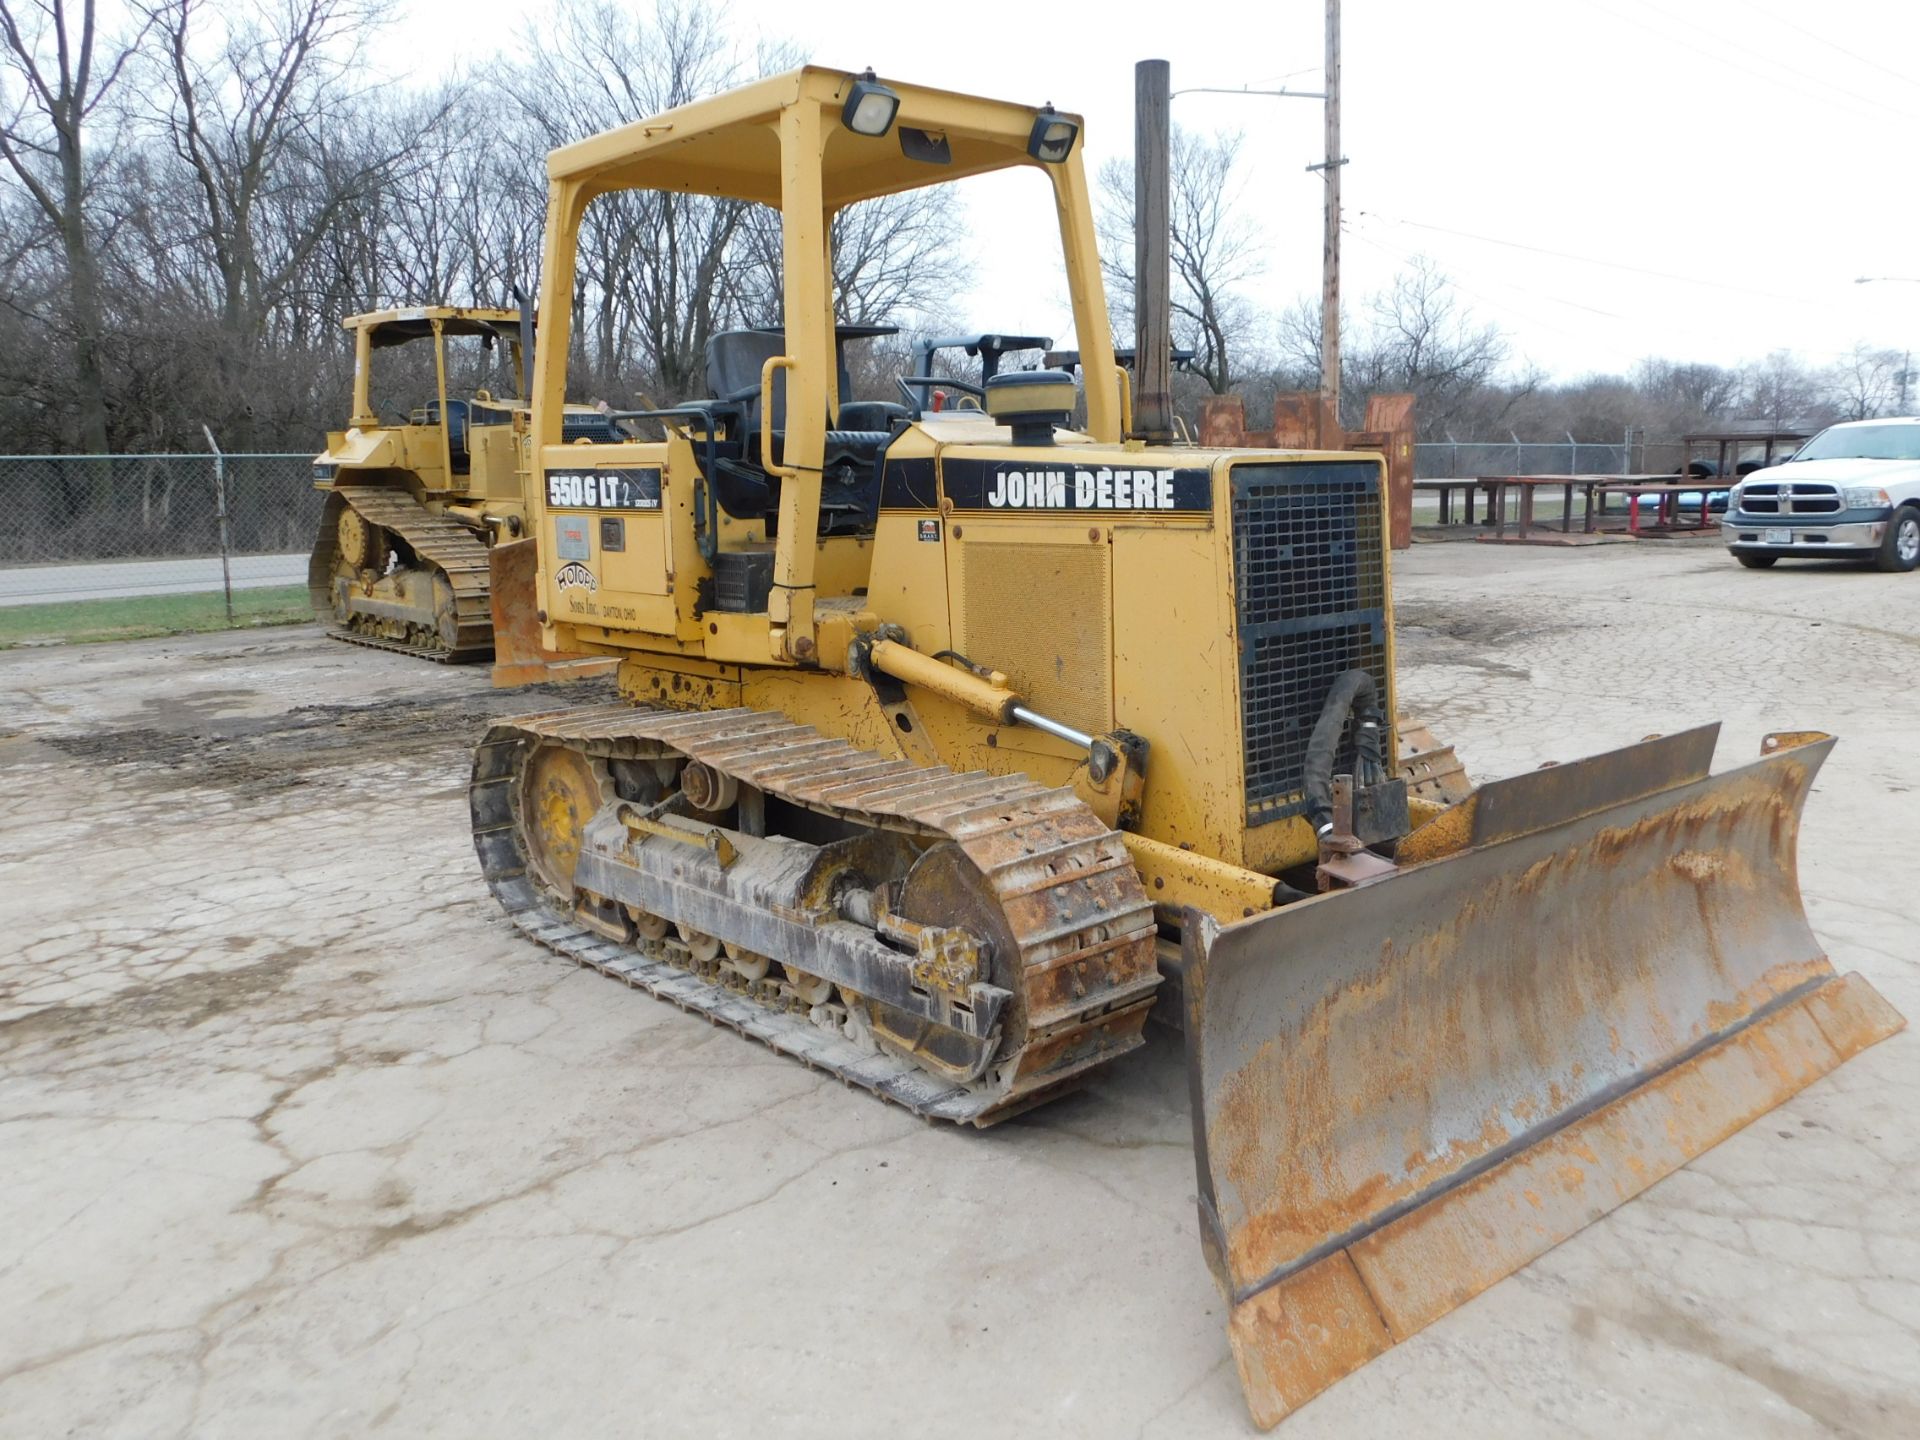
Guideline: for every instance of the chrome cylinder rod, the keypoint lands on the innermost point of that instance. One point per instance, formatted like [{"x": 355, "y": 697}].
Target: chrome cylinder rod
[{"x": 1052, "y": 727}]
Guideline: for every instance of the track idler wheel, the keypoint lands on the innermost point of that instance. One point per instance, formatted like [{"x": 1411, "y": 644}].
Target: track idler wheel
[
  {"x": 560, "y": 791},
  {"x": 946, "y": 889},
  {"x": 363, "y": 544}
]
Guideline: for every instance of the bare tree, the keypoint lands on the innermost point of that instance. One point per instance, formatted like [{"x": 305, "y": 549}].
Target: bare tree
[
  {"x": 897, "y": 255},
  {"x": 65, "y": 72},
  {"x": 1297, "y": 334},
  {"x": 1868, "y": 382},
  {"x": 259, "y": 114},
  {"x": 459, "y": 223},
  {"x": 1422, "y": 339},
  {"x": 1704, "y": 392},
  {"x": 657, "y": 272},
  {"x": 1783, "y": 392},
  {"x": 1214, "y": 251},
  {"x": 896, "y": 259}
]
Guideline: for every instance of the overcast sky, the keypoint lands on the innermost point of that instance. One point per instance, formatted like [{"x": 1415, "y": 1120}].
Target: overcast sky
[{"x": 1734, "y": 163}]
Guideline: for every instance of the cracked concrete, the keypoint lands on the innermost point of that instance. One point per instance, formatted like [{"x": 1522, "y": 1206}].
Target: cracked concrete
[{"x": 298, "y": 1139}]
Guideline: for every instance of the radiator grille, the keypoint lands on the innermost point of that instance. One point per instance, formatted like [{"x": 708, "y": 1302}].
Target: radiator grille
[
  {"x": 1310, "y": 586},
  {"x": 1805, "y": 497},
  {"x": 1042, "y": 614}
]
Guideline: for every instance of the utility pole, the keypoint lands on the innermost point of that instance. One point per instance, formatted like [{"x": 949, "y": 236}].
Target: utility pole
[
  {"x": 1330, "y": 434},
  {"x": 1152, "y": 270}
]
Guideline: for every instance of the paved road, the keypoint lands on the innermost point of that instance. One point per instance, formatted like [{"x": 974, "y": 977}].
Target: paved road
[
  {"x": 297, "y": 1138},
  {"x": 119, "y": 579}
]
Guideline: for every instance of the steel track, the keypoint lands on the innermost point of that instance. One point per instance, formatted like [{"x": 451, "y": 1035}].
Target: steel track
[
  {"x": 442, "y": 545},
  {"x": 1068, "y": 893},
  {"x": 401, "y": 647}
]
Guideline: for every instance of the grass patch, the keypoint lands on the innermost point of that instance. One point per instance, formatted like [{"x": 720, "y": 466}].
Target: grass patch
[{"x": 83, "y": 622}]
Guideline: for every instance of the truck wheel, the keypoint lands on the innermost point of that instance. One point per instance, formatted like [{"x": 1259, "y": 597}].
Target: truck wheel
[
  {"x": 1900, "y": 549},
  {"x": 1754, "y": 562}
]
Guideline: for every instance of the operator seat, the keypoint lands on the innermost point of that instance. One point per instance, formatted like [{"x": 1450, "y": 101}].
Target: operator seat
[
  {"x": 735, "y": 361},
  {"x": 850, "y": 472}
]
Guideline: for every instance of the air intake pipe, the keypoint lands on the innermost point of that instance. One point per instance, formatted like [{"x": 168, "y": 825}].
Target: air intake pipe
[{"x": 1353, "y": 693}]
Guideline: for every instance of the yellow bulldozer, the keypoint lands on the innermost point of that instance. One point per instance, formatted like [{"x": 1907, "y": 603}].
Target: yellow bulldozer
[
  {"x": 416, "y": 502},
  {"x": 956, "y": 741}
]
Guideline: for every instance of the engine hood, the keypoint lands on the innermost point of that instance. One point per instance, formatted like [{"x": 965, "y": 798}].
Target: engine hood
[{"x": 1839, "y": 472}]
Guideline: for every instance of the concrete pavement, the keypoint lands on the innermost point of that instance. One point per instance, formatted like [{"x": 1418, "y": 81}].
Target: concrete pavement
[{"x": 297, "y": 1138}]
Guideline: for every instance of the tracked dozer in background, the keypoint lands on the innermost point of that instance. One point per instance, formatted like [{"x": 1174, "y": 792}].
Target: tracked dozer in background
[
  {"x": 414, "y": 506},
  {"x": 956, "y": 742}
]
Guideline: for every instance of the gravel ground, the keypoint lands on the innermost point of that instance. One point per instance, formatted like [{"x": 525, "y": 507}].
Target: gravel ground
[{"x": 298, "y": 1139}]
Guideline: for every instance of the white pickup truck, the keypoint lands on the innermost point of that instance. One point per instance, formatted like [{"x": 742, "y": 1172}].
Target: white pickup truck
[{"x": 1852, "y": 492}]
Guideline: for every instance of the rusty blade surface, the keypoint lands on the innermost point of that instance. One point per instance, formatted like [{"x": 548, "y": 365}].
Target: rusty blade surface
[
  {"x": 1419, "y": 1085},
  {"x": 517, "y": 656},
  {"x": 512, "y": 567}
]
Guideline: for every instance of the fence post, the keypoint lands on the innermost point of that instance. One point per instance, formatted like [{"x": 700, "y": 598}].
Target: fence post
[{"x": 220, "y": 509}]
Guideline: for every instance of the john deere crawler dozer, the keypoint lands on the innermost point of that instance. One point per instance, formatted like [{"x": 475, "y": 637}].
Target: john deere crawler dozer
[
  {"x": 413, "y": 506},
  {"x": 957, "y": 740}
]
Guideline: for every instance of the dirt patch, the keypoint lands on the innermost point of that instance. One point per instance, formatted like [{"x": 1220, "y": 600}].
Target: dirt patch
[
  {"x": 255, "y": 757},
  {"x": 1490, "y": 626},
  {"x": 1435, "y": 634},
  {"x": 179, "y": 1003}
]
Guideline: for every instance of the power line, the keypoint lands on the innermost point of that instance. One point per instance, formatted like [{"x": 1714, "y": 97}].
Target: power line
[
  {"x": 1454, "y": 267},
  {"x": 1815, "y": 35},
  {"x": 1842, "y": 100},
  {"x": 1639, "y": 323},
  {"x": 1595, "y": 260},
  {"x": 1842, "y": 97},
  {"x": 1479, "y": 295}
]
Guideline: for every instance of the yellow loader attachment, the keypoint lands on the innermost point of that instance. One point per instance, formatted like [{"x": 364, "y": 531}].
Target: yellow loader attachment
[{"x": 1577, "y": 980}]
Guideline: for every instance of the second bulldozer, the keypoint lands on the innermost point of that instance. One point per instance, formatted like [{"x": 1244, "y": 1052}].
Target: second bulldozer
[
  {"x": 955, "y": 741},
  {"x": 416, "y": 502}
]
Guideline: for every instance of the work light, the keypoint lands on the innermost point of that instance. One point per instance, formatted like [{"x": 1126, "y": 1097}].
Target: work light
[
  {"x": 1052, "y": 138},
  {"x": 870, "y": 107}
]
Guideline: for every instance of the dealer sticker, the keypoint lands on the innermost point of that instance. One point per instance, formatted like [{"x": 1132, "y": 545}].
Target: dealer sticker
[
  {"x": 570, "y": 540},
  {"x": 930, "y": 530}
]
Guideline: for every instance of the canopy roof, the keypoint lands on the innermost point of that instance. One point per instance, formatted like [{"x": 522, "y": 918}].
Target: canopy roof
[
  {"x": 397, "y": 327},
  {"x": 729, "y": 145}
]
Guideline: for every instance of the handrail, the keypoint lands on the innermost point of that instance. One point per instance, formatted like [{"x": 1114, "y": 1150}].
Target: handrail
[{"x": 767, "y": 463}]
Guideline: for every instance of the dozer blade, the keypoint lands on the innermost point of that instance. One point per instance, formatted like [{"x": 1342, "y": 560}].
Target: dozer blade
[
  {"x": 1406, "y": 1091},
  {"x": 517, "y": 657}
]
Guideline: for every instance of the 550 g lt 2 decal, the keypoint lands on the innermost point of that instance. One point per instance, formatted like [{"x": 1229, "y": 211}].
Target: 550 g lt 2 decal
[{"x": 629, "y": 489}]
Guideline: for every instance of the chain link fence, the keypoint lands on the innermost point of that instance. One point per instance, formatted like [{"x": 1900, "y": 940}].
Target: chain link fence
[
  {"x": 130, "y": 528},
  {"x": 1465, "y": 460},
  {"x": 1469, "y": 459}
]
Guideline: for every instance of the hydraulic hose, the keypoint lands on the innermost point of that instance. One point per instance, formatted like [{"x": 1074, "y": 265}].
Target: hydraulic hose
[{"x": 1353, "y": 692}]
